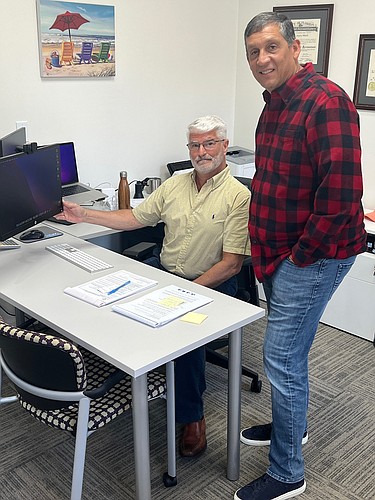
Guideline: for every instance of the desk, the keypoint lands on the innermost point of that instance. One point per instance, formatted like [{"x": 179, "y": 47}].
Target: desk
[{"x": 33, "y": 280}]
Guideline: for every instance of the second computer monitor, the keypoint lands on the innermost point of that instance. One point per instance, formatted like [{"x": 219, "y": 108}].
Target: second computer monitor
[{"x": 12, "y": 141}]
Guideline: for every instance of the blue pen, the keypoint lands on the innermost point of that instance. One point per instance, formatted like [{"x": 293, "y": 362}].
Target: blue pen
[{"x": 118, "y": 288}]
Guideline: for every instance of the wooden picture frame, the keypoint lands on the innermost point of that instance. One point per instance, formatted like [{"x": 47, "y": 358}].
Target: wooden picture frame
[
  {"x": 364, "y": 83},
  {"x": 313, "y": 27}
]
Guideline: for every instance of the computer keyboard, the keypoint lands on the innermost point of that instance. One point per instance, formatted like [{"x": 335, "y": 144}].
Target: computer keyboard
[
  {"x": 9, "y": 244},
  {"x": 78, "y": 257},
  {"x": 74, "y": 189}
]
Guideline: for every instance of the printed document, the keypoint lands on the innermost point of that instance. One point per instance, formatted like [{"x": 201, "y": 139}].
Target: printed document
[
  {"x": 162, "y": 306},
  {"x": 108, "y": 289}
]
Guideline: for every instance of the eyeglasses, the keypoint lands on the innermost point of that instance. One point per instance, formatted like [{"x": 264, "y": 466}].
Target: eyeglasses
[{"x": 195, "y": 146}]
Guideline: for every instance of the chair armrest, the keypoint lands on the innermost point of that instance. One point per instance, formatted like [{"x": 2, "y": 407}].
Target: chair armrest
[
  {"x": 109, "y": 382},
  {"x": 140, "y": 251}
]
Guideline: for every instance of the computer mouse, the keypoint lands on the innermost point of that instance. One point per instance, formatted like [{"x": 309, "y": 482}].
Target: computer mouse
[{"x": 32, "y": 234}]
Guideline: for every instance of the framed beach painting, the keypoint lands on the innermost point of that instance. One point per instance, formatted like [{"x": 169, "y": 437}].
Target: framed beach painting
[{"x": 76, "y": 40}]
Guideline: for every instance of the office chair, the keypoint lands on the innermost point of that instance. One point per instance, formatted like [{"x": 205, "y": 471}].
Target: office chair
[
  {"x": 67, "y": 387},
  {"x": 247, "y": 291}
]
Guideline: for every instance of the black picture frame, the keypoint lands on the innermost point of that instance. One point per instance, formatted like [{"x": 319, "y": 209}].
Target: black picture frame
[
  {"x": 324, "y": 13},
  {"x": 364, "y": 83}
]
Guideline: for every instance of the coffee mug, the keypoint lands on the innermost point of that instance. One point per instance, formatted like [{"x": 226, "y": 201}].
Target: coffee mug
[{"x": 153, "y": 183}]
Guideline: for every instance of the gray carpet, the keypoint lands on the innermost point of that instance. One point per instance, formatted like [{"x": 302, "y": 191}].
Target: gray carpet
[{"x": 35, "y": 461}]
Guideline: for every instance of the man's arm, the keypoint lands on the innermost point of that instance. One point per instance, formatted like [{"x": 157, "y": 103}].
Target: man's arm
[
  {"x": 228, "y": 266},
  {"x": 118, "y": 219},
  {"x": 334, "y": 141}
]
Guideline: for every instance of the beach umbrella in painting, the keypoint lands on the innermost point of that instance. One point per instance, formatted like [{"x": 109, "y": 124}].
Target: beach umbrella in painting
[{"x": 68, "y": 21}]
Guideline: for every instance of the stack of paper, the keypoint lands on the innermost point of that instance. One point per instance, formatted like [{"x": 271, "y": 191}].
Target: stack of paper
[
  {"x": 110, "y": 288},
  {"x": 162, "y": 306}
]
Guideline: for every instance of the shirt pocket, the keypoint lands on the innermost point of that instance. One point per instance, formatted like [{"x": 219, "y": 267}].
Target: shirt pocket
[{"x": 288, "y": 148}]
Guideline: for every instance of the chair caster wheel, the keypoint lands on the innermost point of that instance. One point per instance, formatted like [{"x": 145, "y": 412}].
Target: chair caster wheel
[
  {"x": 256, "y": 386},
  {"x": 169, "y": 480}
]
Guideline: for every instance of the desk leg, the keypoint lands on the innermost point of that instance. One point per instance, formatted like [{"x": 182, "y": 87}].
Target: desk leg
[
  {"x": 170, "y": 478},
  {"x": 141, "y": 435},
  {"x": 234, "y": 405}
]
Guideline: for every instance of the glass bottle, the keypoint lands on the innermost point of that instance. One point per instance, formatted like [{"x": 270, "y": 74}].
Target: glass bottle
[{"x": 123, "y": 191}]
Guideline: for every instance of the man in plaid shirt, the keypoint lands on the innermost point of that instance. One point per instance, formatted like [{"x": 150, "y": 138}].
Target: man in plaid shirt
[{"x": 306, "y": 227}]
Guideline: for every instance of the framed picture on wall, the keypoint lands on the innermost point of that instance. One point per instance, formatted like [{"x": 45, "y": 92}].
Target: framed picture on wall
[
  {"x": 364, "y": 84},
  {"x": 76, "y": 40},
  {"x": 313, "y": 27}
]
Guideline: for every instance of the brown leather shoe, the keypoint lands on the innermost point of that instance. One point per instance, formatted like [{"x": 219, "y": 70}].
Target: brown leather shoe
[{"x": 193, "y": 440}]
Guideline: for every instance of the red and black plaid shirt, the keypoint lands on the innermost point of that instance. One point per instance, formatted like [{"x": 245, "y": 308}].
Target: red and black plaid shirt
[{"x": 307, "y": 189}]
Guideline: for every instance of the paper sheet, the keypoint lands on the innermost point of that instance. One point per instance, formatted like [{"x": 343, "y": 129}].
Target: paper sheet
[{"x": 108, "y": 289}]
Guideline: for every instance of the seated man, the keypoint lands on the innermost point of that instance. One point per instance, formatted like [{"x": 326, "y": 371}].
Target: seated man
[{"x": 205, "y": 213}]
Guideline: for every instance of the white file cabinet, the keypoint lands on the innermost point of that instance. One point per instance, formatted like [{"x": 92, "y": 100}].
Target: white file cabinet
[{"x": 352, "y": 307}]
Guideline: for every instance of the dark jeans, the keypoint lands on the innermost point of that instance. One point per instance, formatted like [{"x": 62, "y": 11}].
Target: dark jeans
[{"x": 190, "y": 376}]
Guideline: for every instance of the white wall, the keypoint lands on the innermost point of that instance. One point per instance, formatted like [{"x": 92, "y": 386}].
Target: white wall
[
  {"x": 175, "y": 61},
  {"x": 350, "y": 19}
]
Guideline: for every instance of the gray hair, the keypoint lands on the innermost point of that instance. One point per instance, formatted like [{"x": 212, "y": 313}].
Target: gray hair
[
  {"x": 264, "y": 18},
  {"x": 207, "y": 124}
]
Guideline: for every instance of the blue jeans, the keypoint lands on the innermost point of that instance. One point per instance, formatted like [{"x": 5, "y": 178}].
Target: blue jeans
[
  {"x": 190, "y": 378},
  {"x": 296, "y": 299}
]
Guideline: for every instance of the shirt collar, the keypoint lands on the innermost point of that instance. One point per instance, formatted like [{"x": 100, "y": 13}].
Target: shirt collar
[
  {"x": 287, "y": 89},
  {"x": 217, "y": 179}
]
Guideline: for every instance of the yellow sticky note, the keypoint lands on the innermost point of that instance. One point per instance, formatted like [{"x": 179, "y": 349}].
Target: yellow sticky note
[
  {"x": 192, "y": 317},
  {"x": 171, "y": 301}
]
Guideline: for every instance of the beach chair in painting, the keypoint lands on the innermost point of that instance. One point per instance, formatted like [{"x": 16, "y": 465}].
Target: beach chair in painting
[
  {"x": 86, "y": 53},
  {"x": 67, "y": 53},
  {"x": 103, "y": 54}
]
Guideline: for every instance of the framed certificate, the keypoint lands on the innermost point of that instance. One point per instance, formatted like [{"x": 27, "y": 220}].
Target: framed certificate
[
  {"x": 364, "y": 84},
  {"x": 313, "y": 27}
]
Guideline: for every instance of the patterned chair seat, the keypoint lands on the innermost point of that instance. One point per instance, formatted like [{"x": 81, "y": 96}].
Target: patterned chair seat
[{"x": 67, "y": 387}]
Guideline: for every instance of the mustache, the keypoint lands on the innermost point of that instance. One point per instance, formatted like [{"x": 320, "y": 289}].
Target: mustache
[{"x": 204, "y": 157}]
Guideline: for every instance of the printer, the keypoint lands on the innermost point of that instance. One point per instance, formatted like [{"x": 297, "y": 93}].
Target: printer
[{"x": 241, "y": 161}]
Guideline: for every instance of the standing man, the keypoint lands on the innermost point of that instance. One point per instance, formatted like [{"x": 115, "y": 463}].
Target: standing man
[
  {"x": 306, "y": 227},
  {"x": 205, "y": 213}
]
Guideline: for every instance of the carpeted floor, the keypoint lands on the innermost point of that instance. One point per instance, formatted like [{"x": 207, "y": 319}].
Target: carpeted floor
[{"x": 35, "y": 461}]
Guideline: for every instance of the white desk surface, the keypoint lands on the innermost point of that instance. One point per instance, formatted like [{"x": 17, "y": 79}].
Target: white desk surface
[
  {"x": 83, "y": 230},
  {"x": 33, "y": 280}
]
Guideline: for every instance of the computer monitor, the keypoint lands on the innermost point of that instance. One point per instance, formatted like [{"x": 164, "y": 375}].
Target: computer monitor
[
  {"x": 10, "y": 142},
  {"x": 30, "y": 189}
]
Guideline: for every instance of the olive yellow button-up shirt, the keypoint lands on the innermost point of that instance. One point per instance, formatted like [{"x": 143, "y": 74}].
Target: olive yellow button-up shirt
[{"x": 199, "y": 225}]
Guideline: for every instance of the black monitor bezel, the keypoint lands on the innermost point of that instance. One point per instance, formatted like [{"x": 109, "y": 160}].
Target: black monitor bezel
[{"x": 35, "y": 218}]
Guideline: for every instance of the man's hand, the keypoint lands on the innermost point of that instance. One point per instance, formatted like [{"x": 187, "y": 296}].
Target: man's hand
[{"x": 72, "y": 212}]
